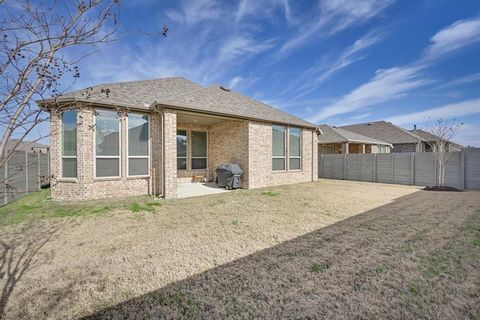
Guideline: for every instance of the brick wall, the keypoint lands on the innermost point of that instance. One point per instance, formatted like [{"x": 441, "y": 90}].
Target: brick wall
[{"x": 260, "y": 158}]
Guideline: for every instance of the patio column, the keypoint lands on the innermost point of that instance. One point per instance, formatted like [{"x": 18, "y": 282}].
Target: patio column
[
  {"x": 169, "y": 124},
  {"x": 363, "y": 148}
]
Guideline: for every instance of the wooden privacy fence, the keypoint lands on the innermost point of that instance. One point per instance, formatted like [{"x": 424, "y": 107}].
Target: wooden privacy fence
[
  {"x": 23, "y": 173},
  {"x": 417, "y": 168}
]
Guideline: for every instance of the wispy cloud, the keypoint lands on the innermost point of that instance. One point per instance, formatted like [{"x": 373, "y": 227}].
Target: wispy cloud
[
  {"x": 196, "y": 11},
  {"x": 395, "y": 82},
  {"x": 461, "y": 81},
  {"x": 335, "y": 16},
  {"x": 449, "y": 111},
  {"x": 454, "y": 37},
  {"x": 313, "y": 77},
  {"x": 386, "y": 85}
]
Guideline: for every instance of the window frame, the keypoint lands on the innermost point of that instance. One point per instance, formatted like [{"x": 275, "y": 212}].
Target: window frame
[
  {"x": 149, "y": 150},
  {"x": 186, "y": 149},
  {"x": 119, "y": 157},
  {"x": 190, "y": 145},
  {"x": 62, "y": 147},
  {"x": 285, "y": 156},
  {"x": 300, "y": 156}
]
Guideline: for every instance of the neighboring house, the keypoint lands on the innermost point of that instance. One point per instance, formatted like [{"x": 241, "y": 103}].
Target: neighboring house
[
  {"x": 335, "y": 140},
  {"x": 130, "y": 138},
  {"x": 24, "y": 145},
  {"x": 429, "y": 141}
]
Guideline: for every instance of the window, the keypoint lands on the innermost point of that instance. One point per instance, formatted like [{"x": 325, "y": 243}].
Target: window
[
  {"x": 199, "y": 150},
  {"x": 69, "y": 144},
  {"x": 278, "y": 148},
  {"x": 138, "y": 144},
  {"x": 182, "y": 149},
  {"x": 294, "y": 148},
  {"x": 107, "y": 144}
]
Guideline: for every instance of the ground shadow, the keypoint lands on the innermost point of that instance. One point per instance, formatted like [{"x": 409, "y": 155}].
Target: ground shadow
[
  {"x": 16, "y": 255},
  {"x": 361, "y": 267}
]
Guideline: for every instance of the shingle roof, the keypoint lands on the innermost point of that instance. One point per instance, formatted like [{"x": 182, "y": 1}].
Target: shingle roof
[
  {"x": 181, "y": 93},
  {"x": 338, "y": 135},
  {"x": 427, "y": 136},
  {"x": 384, "y": 131},
  {"x": 25, "y": 145}
]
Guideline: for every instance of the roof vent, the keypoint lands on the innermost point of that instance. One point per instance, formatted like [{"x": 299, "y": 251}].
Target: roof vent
[
  {"x": 369, "y": 124},
  {"x": 225, "y": 88}
]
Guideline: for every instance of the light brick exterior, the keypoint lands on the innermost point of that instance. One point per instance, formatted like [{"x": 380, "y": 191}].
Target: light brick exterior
[{"x": 247, "y": 143}]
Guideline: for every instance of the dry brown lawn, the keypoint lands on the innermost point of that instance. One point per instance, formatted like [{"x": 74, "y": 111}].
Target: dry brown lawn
[{"x": 328, "y": 249}]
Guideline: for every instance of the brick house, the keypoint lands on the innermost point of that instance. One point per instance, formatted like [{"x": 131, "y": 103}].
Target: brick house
[
  {"x": 335, "y": 140},
  {"x": 139, "y": 137}
]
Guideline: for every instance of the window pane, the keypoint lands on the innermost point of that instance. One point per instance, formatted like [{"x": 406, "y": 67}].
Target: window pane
[
  {"x": 69, "y": 139},
  {"x": 107, "y": 133},
  {"x": 294, "y": 164},
  {"x": 69, "y": 167},
  {"x": 278, "y": 164},
  {"x": 294, "y": 142},
  {"x": 181, "y": 163},
  {"x": 181, "y": 143},
  {"x": 107, "y": 167},
  {"x": 278, "y": 141},
  {"x": 137, "y": 134},
  {"x": 137, "y": 167},
  {"x": 199, "y": 144},
  {"x": 199, "y": 163}
]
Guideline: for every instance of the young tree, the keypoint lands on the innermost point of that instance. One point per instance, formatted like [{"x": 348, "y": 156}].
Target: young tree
[
  {"x": 33, "y": 61},
  {"x": 442, "y": 132}
]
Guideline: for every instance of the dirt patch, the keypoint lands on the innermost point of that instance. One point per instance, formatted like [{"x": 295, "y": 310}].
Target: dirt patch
[
  {"x": 439, "y": 188},
  {"x": 291, "y": 251}
]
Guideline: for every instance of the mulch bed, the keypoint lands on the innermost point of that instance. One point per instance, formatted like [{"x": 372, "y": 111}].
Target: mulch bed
[{"x": 438, "y": 188}]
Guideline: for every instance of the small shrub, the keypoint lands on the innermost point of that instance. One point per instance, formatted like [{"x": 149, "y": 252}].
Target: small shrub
[
  {"x": 236, "y": 223},
  {"x": 319, "y": 267}
]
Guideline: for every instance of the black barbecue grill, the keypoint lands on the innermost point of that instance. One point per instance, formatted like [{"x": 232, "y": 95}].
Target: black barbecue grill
[{"x": 228, "y": 176}]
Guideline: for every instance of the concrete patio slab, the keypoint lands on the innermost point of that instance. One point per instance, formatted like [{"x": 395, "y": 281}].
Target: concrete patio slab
[{"x": 186, "y": 190}]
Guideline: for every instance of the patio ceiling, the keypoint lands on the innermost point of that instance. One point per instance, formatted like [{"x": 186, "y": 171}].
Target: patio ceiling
[{"x": 203, "y": 120}]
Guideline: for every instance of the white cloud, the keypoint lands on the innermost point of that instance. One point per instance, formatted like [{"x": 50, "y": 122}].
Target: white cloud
[
  {"x": 235, "y": 81},
  {"x": 386, "y": 85},
  {"x": 449, "y": 111},
  {"x": 454, "y": 37},
  {"x": 335, "y": 16},
  {"x": 313, "y": 77},
  {"x": 460, "y": 81},
  {"x": 468, "y": 135},
  {"x": 241, "y": 46}
]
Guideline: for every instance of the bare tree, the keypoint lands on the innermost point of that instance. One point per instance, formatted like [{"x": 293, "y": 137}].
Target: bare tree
[
  {"x": 442, "y": 132},
  {"x": 33, "y": 61}
]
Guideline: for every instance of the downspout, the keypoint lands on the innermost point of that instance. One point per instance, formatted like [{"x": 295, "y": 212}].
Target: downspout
[
  {"x": 313, "y": 156},
  {"x": 162, "y": 153}
]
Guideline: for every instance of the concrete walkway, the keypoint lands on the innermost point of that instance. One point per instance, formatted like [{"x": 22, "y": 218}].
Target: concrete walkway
[{"x": 186, "y": 190}]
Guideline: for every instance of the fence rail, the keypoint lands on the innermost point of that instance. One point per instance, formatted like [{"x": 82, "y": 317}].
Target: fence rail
[
  {"x": 23, "y": 173},
  {"x": 417, "y": 168}
]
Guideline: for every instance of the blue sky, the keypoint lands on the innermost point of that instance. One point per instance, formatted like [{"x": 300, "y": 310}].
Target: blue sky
[{"x": 327, "y": 61}]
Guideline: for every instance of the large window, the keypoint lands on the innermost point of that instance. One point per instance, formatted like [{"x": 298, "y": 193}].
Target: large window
[
  {"x": 294, "y": 149},
  {"x": 182, "y": 149},
  {"x": 138, "y": 144},
  {"x": 199, "y": 150},
  {"x": 69, "y": 144},
  {"x": 107, "y": 144},
  {"x": 279, "y": 148}
]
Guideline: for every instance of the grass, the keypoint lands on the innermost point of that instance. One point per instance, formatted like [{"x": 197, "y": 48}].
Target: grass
[
  {"x": 38, "y": 206},
  {"x": 319, "y": 267},
  {"x": 271, "y": 193}
]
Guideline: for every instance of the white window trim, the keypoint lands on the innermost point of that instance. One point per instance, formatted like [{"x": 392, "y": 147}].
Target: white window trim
[
  {"x": 285, "y": 151},
  {"x": 300, "y": 157},
  {"x": 61, "y": 146},
  {"x": 186, "y": 149},
  {"x": 189, "y": 134},
  {"x": 140, "y": 157},
  {"x": 119, "y": 157}
]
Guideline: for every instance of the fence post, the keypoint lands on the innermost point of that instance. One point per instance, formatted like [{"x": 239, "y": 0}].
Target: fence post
[
  {"x": 374, "y": 167},
  {"x": 320, "y": 165},
  {"x": 462, "y": 169},
  {"x": 344, "y": 166},
  {"x": 393, "y": 167},
  {"x": 412, "y": 168},
  {"x": 26, "y": 172},
  {"x": 38, "y": 171}
]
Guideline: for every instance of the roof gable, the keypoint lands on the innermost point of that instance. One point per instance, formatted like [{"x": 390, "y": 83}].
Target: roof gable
[
  {"x": 340, "y": 135},
  {"x": 384, "y": 131}
]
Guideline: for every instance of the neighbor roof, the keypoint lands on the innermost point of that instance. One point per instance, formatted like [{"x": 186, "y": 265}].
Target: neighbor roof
[
  {"x": 427, "y": 136},
  {"x": 333, "y": 134},
  {"x": 180, "y": 93},
  {"x": 25, "y": 145},
  {"x": 384, "y": 131}
]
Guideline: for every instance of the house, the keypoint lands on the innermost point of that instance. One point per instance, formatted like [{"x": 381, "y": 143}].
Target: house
[
  {"x": 403, "y": 140},
  {"x": 25, "y": 145},
  {"x": 140, "y": 137},
  {"x": 429, "y": 141},
  {"x": 335, "y": 140}
]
